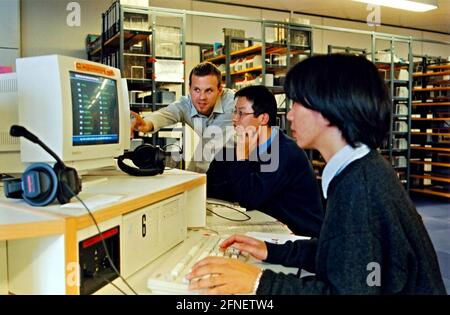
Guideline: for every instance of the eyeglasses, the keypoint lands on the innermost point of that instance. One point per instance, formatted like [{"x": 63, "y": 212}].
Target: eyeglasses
[{"x": 240, "y": 113}]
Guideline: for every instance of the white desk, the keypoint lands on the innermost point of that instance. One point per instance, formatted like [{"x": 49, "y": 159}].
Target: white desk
[{"x": 42, "y": 242}]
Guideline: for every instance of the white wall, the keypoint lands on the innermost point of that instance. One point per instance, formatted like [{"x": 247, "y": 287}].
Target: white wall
[
  {"x": 44, "y": 28},
  {"x": 9, "y": 32},
  {"x": 435, "y": 49},
  {"x": 321, "y": 38}
]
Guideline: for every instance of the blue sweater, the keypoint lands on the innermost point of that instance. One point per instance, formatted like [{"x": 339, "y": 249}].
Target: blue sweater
[{"x": 287, "y": 190}]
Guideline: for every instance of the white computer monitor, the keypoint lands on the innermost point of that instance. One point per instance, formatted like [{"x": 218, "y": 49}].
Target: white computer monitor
[
  {"x": 9, "y": 115},
  {"x": 76, "y": 107}
]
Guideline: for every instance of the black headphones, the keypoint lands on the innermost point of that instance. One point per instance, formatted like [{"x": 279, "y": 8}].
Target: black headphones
[
  {"x": 41, "y": 184},
  {"x": 149, "y": 159}
]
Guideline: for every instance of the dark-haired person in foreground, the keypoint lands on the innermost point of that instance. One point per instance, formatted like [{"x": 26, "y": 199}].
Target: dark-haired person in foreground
[
  {"x": 266, "y": 170},
  {"x": 372, "y": 240}
]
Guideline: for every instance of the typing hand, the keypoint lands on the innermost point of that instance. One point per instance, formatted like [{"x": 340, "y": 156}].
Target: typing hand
[
  {"x": 214, "y": 275},
  {"x": 254, "y": 247}
]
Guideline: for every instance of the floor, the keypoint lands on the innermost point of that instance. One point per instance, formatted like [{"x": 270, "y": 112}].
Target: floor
[{"x": 436, "y": 216}]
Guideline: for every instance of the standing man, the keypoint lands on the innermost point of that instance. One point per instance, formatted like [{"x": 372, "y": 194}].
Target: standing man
[{"x": 207, "y": 109}]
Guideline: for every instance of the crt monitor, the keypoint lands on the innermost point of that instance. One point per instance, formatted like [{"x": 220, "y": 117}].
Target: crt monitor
[
  {"x": 76, "y": 107},
  {"x": 9, "y": 115}
]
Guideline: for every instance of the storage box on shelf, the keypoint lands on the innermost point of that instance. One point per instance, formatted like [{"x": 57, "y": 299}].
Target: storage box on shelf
[
  {"x": 430, "y": 162},
  {"x": 168, "y": 42},
  {"x": 239, "y": 35}
]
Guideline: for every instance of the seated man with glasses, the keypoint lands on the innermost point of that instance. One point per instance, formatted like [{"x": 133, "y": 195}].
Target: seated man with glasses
[{"x": 264, "y": 169}]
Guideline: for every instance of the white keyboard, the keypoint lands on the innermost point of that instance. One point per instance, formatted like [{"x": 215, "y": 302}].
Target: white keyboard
[
  {"x": 268, "y": 227},
  {"x": 170, "y": 278}
]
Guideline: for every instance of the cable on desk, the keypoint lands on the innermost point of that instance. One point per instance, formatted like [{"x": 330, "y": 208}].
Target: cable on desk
[
  {"x": 101, "y": 237},
  {"x": 4, "y": 176},
  {"x": 210, "y": 230},
  {"x": 114, "y": 285},
  {"x": 226, "y": 206},
  {"x": 173, "y": 144}
]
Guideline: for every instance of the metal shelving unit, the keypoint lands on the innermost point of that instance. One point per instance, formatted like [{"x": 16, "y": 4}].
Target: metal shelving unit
[
  {"x": 397, "y": 74},
  {"x": 295, "y": 42},
  {"x": 272, "y": 58},
  {"x": 396, "y": 149},
  {"x": 430, "y": 162},
  {"x": 142, "y": 42}
]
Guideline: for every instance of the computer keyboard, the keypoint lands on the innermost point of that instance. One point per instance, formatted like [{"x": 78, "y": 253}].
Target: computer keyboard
[
  {"x": 170, "y": 277},
  {"x": 268, "y": 227}
]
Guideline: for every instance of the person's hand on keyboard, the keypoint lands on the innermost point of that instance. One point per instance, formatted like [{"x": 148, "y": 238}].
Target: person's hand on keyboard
[
  {"x": 217, "y": 275},
  {"x": 246, "y": 244}
]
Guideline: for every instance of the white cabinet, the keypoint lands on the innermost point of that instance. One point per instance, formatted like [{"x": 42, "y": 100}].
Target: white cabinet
[
  {"x": 171, "y": 223},
  {"x": 149, "y": 232},
  {"x": 139, "y": 239},
  {"x": 46, "y": 251},
  {"x": 36, "y": 265}
]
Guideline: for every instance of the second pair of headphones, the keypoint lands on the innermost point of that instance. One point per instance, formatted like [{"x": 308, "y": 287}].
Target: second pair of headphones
[
  {"x": 41, "y": 184},
  {"x": 149, "y": 159}
]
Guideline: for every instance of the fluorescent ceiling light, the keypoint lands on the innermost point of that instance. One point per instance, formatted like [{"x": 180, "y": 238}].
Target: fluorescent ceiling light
[{"x": 410, "y": 5}]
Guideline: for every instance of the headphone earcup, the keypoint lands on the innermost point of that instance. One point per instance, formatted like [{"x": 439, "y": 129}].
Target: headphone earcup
[
  {"x": 39, "y": 184},
  {"x": 149, "y": 159},
  {"x": 144, "y": 156},
  {"x": 69, "y": 183}
]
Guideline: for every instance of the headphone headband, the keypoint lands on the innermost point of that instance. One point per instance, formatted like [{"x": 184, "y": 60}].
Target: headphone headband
[{"x": 149, "y": 159}]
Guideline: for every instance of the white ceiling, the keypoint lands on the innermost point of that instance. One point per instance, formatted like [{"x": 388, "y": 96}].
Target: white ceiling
[{"x": 434, "y": 20}]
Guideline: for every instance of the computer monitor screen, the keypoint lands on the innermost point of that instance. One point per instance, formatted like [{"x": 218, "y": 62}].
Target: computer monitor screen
[
  {"x": 78, "y": 108},
  {"x": 95, "y": 110}
]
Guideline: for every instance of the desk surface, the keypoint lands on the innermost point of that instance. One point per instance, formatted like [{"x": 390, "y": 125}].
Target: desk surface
[{"x": 20, "y": 220}]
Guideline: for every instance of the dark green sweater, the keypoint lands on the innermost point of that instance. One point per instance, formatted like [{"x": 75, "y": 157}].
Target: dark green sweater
[{"x": 369, "y": 222}]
